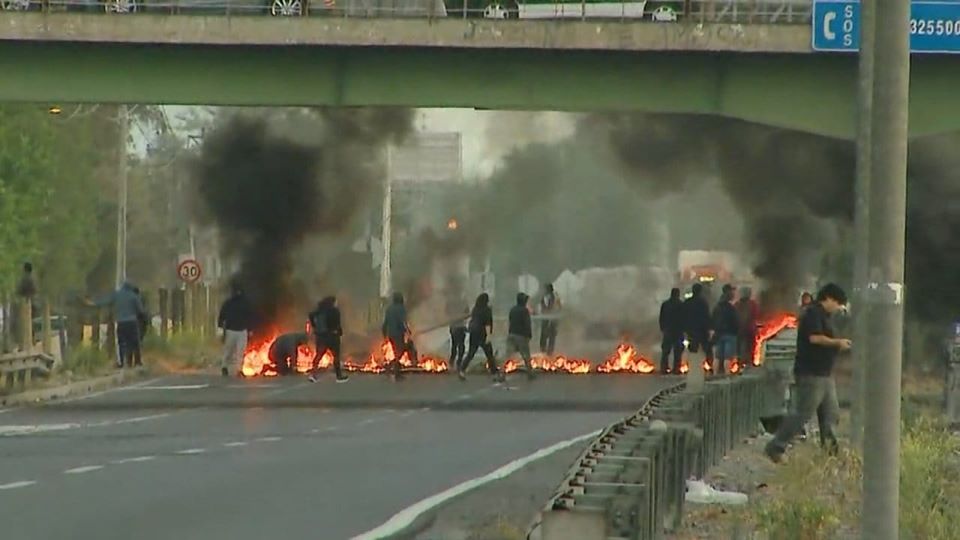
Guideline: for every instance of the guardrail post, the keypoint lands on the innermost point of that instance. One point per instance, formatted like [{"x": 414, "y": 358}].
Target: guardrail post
[
  {"x": 95, "y": 331},
  {"x": 164, "y": 306},
  {"x": 45, "y": 328},
  {"x": 111, "y": 344}
]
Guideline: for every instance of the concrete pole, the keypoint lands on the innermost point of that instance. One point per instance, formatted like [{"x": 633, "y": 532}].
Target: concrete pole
[
  {"x": 385, "y": 277},
  {"x": 881, "y": 464},
  {"x": 861, "y": 224},
  {"x": 121, "y": 258}
]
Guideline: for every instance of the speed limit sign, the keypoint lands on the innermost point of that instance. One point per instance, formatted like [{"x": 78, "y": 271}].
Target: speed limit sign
[{"x": 189, "y": 271}]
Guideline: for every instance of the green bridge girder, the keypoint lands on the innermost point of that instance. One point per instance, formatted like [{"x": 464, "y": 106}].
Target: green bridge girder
[{"x": 808, "y": 92}]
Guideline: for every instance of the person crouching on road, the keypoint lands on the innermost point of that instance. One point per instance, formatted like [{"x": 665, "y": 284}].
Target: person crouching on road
[
  {"x": 481, "y": 331},
  {"x": 726, "y": 326},
  {"x": 236, "y": 321},
  {"x": 458, "y": 339},
  {"x": 815, "y": 388},
  {"x": 327, "y": 335},
  {"x": 671, "y": 325},
  {"x": 520, "y": 331},
  {"x": 284, "y": 351},
  {"x": 396, "y": 331}
]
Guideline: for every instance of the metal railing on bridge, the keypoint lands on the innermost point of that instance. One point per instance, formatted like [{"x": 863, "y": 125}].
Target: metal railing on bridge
[{"x": 655, "y": 11}]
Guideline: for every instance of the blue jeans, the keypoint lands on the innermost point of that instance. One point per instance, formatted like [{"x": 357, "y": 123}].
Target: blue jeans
[{"x": 725, "y": 349}]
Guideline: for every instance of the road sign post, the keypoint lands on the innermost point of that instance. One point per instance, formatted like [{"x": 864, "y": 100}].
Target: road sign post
[
  {"x": 189, "y": 271},
  {"x": 934, "y": 26}
]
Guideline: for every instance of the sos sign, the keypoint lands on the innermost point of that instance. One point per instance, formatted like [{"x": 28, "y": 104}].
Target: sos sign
[{"x": 189, "y": 271}]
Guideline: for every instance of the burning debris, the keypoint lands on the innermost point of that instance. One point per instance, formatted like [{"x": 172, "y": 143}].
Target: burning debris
[
  {"x": 627, "y": 359},
  {"x": 560, "y": 364},
  {"x": 769, "y": 328}
]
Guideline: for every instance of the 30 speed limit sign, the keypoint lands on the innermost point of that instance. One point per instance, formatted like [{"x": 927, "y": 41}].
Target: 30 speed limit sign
[{"x": 189, "y": 271}]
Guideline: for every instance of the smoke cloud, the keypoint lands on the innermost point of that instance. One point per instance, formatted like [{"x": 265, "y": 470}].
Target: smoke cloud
[{"x": 267, "y": 193}]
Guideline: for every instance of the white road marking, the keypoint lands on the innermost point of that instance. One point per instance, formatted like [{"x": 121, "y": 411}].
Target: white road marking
[
  {"x": 405, "y": 517},
  {"x": 191, "y": 451},
  {"x": 167, "y": 387},
  {"x": 235, "y": 444},
  {"x": 138, "y": 459},
  {"x": 11, "y": 430},
  {"x": 82, "y": 470},
  {"x": 16, "y": 485},
  {"x": 252, "y": 385},
  {"x": 269, "y": 439},
  {"x": 366, "y": 422}
]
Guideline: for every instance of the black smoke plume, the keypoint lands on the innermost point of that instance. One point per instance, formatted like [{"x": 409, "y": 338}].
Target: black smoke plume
[{"x": 267, "y": 193}]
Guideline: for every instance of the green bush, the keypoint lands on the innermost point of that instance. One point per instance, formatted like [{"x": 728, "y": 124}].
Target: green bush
[
  {"x": 929, "y": 483},
  {"x": 87, "y": 360}
]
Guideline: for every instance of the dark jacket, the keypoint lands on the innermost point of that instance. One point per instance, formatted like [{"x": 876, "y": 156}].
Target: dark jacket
[
  {"x": 325, "y": 320},
  {"x": 520, "y": 324},
  {"x": 480, "y": 319},
  {"x": 671, "y": 317},
  {"x": 395, "y": 321},
  {"x": 236, "y": 314},
  {"x": 286, "y": 346},
  {"x": 125, "y": 302},
  {"x": 696, "y": 317},
  {"x": 725, "y": 319}
]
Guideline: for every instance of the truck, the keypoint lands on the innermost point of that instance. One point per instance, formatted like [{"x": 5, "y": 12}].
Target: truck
[{"x": 708, "y": 267}]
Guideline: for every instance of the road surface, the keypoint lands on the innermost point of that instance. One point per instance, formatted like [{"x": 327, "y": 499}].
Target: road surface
[{"x": 199, "y": 457}]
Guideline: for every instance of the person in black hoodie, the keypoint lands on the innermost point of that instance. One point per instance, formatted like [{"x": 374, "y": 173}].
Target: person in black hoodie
[
  {"x": 726, "y": 326},
  {"x": 327, "y": 333},
  {"x": 396, "y": 330},
  {"x": 481, "y": 330},
  {"x": 671, "y": 326},
  {"x": 697, "y": 324},
  {"x": 520, "y": 332},
  {"x": 458, "y": 339}
]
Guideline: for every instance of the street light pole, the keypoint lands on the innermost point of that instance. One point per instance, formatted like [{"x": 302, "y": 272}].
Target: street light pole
[
  {"x": 385, "y": 277},
  {"x": 881, "y": 462},
  {"x": 861, "y": 224},
  {"x": 123, "y": 127}
]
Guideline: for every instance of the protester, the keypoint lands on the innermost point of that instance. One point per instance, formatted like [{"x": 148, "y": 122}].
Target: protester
[
  {"x": 697, "y": 324},
  {"x": 671, "y": 326},
  {"x": 481, "y": 332},
  {"x": 806, "y": 300},
  {"x": 127, "y": 311},
  {"x": 549, "y": 305},
  {"x": 396, "y": 331},
  {"x": 327, "y": 333},
  {"x": 236, "y": 321},
  {"x": 458, "y": 339},
  {"x": 284, "y": 351},
  {"x": 815, "y": 390},
  {"x": 726, "y": 327},
  {"x": 748, "y": 313},
  {"x": 520, "y": 332}
]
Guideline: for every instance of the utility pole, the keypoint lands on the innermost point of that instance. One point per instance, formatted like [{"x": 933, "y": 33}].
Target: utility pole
[
  {"x": 123, "y": 128},
  {"x": 385, "y": 277},
  {"x": 861, "y": 222},
  {"x": 881, "y": 463}
]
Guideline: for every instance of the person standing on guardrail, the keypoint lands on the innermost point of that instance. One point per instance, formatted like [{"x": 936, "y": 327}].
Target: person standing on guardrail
[
  {"x": 396, "y": 331},
  {"x": 520, "y": 332},
  {"x": 327, "y": 333},
  {"x": 671, "y": 326},
  {"x": 815, "y": 389},
  {"x": 726, "y": 326},
  {"x": 481, "y": 332},
  {"x": 748, "y": 313},
  {"x": 127, "y": 311},
  {"x": 236, "y": 321},
  {"x": 697, "y": 324},
  {"x": 550, "y": 305}
]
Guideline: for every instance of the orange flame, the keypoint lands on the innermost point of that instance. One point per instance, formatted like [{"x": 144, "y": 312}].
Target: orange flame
[
  {"x": 541, "y": 362},
  {"x": 256, "y": 359},
  {"x": 626, "y": 359},
  {"x": 734, "y": 367},
  {"x": 379, "y": 363},
  {"x": 770, "y": 328}
]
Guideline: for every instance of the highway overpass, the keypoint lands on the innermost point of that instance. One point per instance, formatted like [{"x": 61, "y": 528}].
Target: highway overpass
[{"x": 765, "y": 73}]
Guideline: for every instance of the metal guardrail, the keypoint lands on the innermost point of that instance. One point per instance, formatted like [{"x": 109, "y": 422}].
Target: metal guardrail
[
  {"x": 660, "y": 11},
  {"x": 19, "y": 368},
  {"x": 631, "y": 482}
]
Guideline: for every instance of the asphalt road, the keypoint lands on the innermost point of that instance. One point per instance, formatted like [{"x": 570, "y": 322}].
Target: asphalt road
[{"x": 197, "y": 457}]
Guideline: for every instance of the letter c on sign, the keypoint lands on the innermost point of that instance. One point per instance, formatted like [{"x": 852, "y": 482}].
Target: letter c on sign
[{"x": 827, "y": 21}]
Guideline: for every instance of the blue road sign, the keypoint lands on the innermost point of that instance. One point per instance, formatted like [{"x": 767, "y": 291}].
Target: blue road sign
[{"x": 934, "y": 26}]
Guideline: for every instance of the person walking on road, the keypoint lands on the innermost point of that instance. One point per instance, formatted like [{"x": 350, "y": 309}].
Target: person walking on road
[
  {"x": 748, "y": 313},
  {"x": 697, "y": 324},
  {"x": 671, "y": 326},
  {"x": 481, "y": 332},
  {"x": 458, "y": 339},
  {"x": 726, "y": 327},
  {"x": 815, "y": 389},
  {"x": 396, "y": 331},
  {"x": 327, "y": 334},
  {"x": 127, "y": 311},
  {"x": 549, "y": 305},
  {"x": 236, "y": 322},
  {"x": 520, "y": 332}
]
